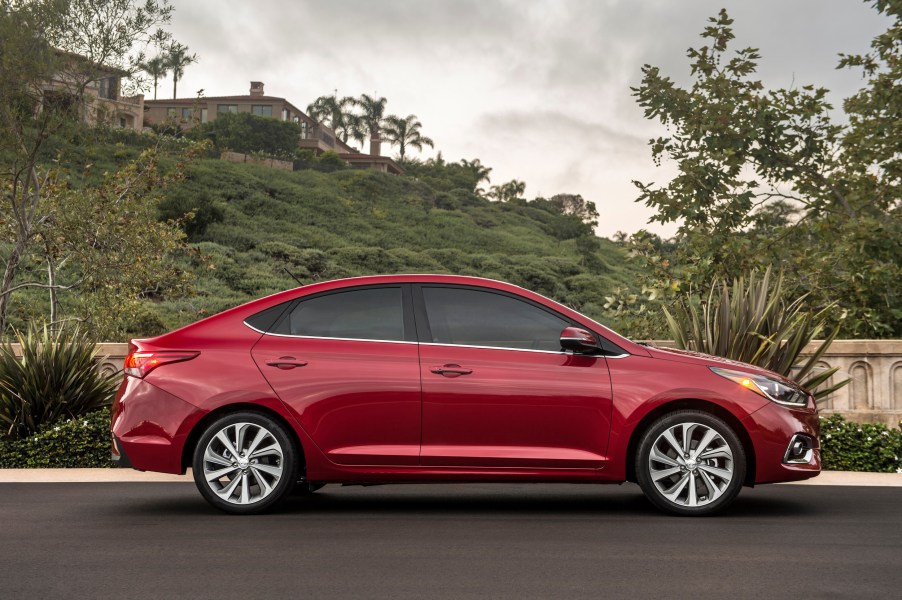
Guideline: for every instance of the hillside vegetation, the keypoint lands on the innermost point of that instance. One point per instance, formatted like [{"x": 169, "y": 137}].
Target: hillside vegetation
[{"x": 252, "y": 223}]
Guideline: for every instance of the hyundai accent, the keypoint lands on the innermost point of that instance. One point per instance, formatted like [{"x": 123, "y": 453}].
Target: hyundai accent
[{"x": 437, "y": 378}]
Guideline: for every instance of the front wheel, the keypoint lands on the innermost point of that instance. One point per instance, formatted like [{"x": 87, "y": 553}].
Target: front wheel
[
  {"x": 245, "y": 463},
  {"x": 690, "y": 463}
]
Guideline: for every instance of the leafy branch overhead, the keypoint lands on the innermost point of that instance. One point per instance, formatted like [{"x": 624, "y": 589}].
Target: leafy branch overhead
[{"x": 766, "y": 177}]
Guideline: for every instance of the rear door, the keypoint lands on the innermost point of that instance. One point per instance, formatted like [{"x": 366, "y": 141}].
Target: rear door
[
  {"x": 345, "y": 363},
  {"x": 498, "y": 391}
]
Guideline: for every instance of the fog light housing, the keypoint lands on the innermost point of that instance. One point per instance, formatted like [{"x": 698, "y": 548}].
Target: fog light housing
[{"x": 799, "y": 450}]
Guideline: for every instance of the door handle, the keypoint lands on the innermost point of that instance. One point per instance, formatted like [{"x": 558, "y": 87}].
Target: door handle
[
  {"x": 451, "y": 370},
  {"x": 286, "y": 363}
]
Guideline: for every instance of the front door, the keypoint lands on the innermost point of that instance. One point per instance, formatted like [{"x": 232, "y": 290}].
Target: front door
[
  {"x": 498, "y": 391},
  {"x": 345, "y": 363}
]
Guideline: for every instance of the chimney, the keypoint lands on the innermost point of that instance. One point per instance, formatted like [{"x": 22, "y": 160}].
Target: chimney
[
  {"x": 256, "y": 88},
  {"x": 375, "y": 143}
]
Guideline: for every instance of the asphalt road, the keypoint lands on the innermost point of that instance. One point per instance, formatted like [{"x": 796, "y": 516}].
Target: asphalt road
[{"x": 161, "y": 540}]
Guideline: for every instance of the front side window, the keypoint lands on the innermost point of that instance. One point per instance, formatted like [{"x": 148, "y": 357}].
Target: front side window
[
  {"x": 366, "y": 314},
  {"x": 172, "y": 112},
  {"x": 481, "y": 318},
  {"x": 227, "y": 108},
  {"x": 187, "y": 113},
  {"x": 262, "y": 110}
]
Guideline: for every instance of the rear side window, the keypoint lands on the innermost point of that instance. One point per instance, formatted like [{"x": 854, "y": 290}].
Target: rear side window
[
  {"x": 477, "y": 318},
  {"x": 366, "y": 314}
]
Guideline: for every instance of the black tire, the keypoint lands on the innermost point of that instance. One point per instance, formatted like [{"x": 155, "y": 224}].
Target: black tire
[
  {"x": 703, "y": 476},
  {"x": 288, "y": 461}
]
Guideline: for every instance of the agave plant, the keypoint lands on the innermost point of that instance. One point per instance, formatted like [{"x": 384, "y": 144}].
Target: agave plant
[
  {"x": 752, "y": 323},
  {"x": 56, "y": 376}
]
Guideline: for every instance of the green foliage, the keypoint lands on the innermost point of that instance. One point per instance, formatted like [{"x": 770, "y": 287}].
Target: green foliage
[
  {"x": 405, "y": 133},
  {"x": 849, "y": 446},
  {"x": 766, "y": 177},
  {"x": 247, "y": 133},
  {"x": 351, "y": 222},
  {"x": 753, "y": 324},
  {"x": 82, "y": 442},
  {"x": 56, "y": 377}
]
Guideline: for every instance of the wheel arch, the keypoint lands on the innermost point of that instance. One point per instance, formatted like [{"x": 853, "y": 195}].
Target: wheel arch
[
  {"x": 692, "y": 404},
  {"x": 217, "y": 413}
]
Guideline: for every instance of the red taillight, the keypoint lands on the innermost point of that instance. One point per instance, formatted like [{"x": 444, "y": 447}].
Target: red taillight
[{"x": 140, "y": 363}]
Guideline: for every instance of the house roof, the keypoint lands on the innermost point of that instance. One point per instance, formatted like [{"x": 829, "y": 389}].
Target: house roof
[{"x": 245, "y": 97}]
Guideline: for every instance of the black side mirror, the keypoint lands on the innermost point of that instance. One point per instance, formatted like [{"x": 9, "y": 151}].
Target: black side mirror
[{"x": 578, "y": 340}]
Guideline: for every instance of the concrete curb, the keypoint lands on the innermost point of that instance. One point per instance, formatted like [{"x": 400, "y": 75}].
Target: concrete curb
[{"x": 129, "y": 475}]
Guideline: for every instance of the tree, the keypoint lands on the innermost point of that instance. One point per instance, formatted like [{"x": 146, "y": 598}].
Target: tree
[
  {"x": 177, "y": 59},
  {"x": 337, "y": 113},
  {"x": 157, "y": 67},
  {"x": 372, "y": 114},
  {"x": 506, "y": 192},
  {"x": 247, "y": 133},
  {"x": 765, "y": 177},
  {"x": 70, "y": 45},
  {"x": 576, "y": 205},
  {"x": 479, "y": 170},
  {"x": 405, "y": 132}
]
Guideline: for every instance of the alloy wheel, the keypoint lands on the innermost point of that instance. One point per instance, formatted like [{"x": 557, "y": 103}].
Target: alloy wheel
[
  {"x": 243, "y": 463},
  {"x": 691, "y": 464}
]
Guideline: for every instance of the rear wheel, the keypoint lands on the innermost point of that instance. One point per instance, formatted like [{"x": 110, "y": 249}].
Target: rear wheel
[
  {"x": 245, "y": 463},
  {"x": 690, "y": 463}
]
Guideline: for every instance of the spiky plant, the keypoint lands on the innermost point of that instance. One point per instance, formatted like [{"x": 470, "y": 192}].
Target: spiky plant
[
  {"x": 751, "y": 322},
  {"x": 55, "y": 377}
]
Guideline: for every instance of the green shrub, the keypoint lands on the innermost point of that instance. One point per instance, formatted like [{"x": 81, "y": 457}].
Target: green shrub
[
  {"x": 849, "y": 446},
  {"x": 83, "y": 442},
  {"x": 56, "y": 377}
]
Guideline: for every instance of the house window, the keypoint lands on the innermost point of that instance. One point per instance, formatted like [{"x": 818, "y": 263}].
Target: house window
[
  {"x": 172, "y": 113},
  {"x": 284, "y": 114},
  {"x": 203, "y": 115},
  {"x": 108, "y": 88},
  {"x": 227, "y": 108},
  {"x": 262, "y": 110},
  {"x": 187, "y": 113}
]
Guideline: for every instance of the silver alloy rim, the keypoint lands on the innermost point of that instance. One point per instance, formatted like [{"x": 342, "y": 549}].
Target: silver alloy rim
[
  {"x": 243, "y": 463},
  {"x": 691, "y": 464}
]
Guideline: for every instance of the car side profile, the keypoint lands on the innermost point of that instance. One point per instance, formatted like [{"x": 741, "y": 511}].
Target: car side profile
[{"x": 439, "y": 378}]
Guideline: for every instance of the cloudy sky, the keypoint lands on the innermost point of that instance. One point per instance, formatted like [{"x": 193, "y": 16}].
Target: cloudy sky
[{"x": 536, "y": 89}]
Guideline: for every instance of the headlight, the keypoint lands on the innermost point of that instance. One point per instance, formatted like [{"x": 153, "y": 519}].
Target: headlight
[{"x": 771, "y": 389}]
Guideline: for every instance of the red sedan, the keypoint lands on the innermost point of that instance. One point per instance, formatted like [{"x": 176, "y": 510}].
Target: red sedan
[{"x": 437, "y": 378}]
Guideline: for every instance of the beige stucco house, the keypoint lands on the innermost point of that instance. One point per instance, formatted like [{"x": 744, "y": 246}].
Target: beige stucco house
[
  {"x": 187, "y": 112},
  {"x": 102, "y": 100}
]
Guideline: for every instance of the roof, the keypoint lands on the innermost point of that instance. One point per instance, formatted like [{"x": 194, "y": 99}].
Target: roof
[{"x": 244, "y": 97}]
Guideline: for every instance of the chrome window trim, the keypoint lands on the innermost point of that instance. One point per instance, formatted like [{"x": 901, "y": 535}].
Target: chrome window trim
[{"x": 340, "y": 339}]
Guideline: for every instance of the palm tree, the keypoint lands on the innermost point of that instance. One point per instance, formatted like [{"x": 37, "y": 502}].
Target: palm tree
[
  {"x": 157, "y": 68},
  {"x": 405, "y": 132},
  {"x": 177, "y": 59},
  {"x": 335, "y": 112},
  {"x": 372, "y": 110},
  {"x": 480, "y": 171},
  {"x": 512, "y": 190}
]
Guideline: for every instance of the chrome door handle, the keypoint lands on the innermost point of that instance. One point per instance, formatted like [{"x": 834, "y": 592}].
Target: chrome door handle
[
  {"x": 451, "y": 370},
  {"x": 286, "y": 363}
]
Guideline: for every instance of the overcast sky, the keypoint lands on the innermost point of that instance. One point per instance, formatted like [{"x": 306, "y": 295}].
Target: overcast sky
[{"x": 536, "y": 89}]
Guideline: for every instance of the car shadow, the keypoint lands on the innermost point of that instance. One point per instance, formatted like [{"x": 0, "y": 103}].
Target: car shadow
[{"x": 489, "y": 500}]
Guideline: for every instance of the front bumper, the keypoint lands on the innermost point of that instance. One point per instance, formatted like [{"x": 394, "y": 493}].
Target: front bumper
[{"x": 772, "y": 430}]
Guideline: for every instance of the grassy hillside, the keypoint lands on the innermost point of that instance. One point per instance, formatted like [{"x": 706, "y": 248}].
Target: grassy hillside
[{"x": 252, "y": 223}]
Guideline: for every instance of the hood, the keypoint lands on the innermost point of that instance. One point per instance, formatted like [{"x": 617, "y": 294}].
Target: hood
[{"x": 699, "y": 358}]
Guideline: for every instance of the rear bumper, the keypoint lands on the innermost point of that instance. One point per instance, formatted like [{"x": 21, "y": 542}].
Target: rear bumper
[
  {"x": 772, "y": 429},
  {"x": 149, "y": 427}
]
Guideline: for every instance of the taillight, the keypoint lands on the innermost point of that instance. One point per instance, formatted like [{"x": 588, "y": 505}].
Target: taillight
[{"x": 140, "y": 363}]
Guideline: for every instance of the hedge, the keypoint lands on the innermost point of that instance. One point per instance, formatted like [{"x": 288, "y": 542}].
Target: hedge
[
  {"x": 85, "y": 442},
  {"x": 82, "y": 442},
  {"x": 849, "y": 446}
]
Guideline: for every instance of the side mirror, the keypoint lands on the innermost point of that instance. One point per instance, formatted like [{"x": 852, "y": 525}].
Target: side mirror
[{"x": 578, "y": 340}]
